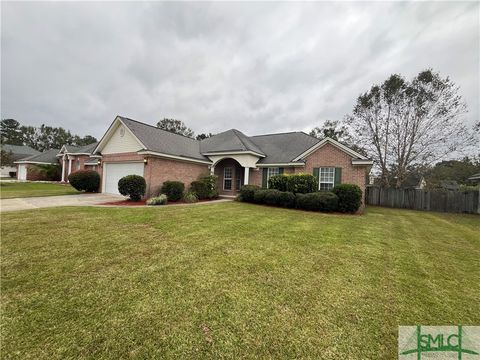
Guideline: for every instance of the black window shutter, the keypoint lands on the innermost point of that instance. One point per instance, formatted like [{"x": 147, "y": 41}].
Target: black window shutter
[{"x": 264, "y": 177}]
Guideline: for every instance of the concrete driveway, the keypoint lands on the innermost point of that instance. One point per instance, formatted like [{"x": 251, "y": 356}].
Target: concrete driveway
[{"x": 53, "y": 201}]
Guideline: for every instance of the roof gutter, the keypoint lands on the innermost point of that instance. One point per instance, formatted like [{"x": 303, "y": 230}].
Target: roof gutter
[
  {"x": 362, "y": 162},
  {"x": 233, "y": 153},
  {"x": 182, "y": 158},
  {"x": 281, "y": 164},
  {"x": 33, "y": 162}
]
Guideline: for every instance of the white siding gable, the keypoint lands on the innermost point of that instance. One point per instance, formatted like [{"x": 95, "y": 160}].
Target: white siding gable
[{"x": 119, "y": 143}]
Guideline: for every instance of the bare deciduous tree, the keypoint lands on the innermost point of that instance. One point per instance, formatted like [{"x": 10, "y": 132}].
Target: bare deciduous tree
[{"x": 403, "y": 123}]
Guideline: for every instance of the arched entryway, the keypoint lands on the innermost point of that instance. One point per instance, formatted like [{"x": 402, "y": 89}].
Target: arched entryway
[{"x": 231, "y": 176}]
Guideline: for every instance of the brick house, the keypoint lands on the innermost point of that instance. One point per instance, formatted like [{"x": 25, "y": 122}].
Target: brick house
[
  {"x": 71, "y": 158},
  {"x": 131, "y": 147}
]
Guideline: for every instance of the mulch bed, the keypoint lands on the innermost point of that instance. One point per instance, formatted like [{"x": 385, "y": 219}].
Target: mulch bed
[
  {"x": 125, "y": 203},
  {"x": 143, "y": 202}
]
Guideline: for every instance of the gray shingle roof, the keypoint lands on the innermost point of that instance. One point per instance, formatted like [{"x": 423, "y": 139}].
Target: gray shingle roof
[
  {"x": 165, "y": 142},
  {"x": 230, "y": 140},
  {"x": 284, "y": 147},
  {"x": 81, "y": 149},
  {"x": 49, "y": 156},
  {"x": 278, "y": 148},
  {"x": 19, "y": 151}
]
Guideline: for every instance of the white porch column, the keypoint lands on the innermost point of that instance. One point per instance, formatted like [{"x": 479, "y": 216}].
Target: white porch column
[
  {"x": 212, "y": 170},
  {"x": 69, "y": 165},
  {"x": 246, "y": 176},
  {"x": 63, "y": 168}
]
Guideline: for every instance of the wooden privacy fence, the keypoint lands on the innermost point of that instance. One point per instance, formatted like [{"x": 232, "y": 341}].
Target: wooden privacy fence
[{"x": 428, "y": 200}]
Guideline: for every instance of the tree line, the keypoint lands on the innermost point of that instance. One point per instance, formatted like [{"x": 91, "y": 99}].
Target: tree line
[
  {"x": 40, "y": 138},
  {"x": 404, "y": 126}
]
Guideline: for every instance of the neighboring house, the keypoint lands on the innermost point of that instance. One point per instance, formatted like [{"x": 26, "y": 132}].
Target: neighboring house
[
  {"x": 475, "y": 178},
  {"x": 73, "y": 158},
  {"x": 450, "y": 185},
  {"x": 18, "y": 152},
  {"x": 415, "y": 181},
  {"x": 131, "y": 147},
  {"x": 70, "y": 158},
  {"x": 24, "y": 166}
]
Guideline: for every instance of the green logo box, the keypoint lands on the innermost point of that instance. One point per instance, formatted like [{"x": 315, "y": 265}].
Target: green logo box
[{"x": 439, "y": 342}]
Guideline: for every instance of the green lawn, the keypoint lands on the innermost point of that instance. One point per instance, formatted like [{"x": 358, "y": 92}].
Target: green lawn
[
  {"x": 230, "y": 280},
  {"x": 9, "y": 190}
]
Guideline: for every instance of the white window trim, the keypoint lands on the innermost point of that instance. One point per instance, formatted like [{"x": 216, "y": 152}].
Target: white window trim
[
  {"x": 230, "y": 178},
  {"x": 325, "y": 182},
  {"x": 269, "y": 175}
]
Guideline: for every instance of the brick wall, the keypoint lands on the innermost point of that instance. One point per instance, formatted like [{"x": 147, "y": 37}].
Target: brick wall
[
  {"x": 159, "y": 170},
  {"x": 330, "y": 156}
]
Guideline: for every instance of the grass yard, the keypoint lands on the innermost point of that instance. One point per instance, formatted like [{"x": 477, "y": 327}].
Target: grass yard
[
  {"x": 231, "y": 280},
  {"x": 9, "y": 190}
]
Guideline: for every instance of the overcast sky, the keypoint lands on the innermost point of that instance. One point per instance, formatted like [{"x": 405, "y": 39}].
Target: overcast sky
[{"x": 258, "y": 67}]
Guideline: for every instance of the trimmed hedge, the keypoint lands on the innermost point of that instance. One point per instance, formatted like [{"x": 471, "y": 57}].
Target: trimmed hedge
[
  {"x": 278, "y": 182},
  {"x": 259, "y": 196},
  {"x": 173, "y": 190},
  {"x": 302, "y": 183},
  {"x": 287, "y": 199},
  {"x": 133, "y": 186},
  {"x": 349, "y": 197},
  {"x": 273, "y": 197},
  {"x": 295, "y": 183},
  {"x": 85, "y": 180},
  {"x": 318, "y": 201},
  {"x": 247, "y": 192}
]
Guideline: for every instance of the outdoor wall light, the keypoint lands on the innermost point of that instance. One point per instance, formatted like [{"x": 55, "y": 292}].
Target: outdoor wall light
[
  {"x": 99, "y": 162},
  {"x": 145, "y": 161}
]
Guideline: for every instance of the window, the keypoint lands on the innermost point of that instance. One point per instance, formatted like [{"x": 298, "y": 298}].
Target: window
[
  {"x": 272, "y": 172},
  {"x": 227, "y": 178},
  {"x": 327, "y": 178},
  {"x": 238, "y": 183},
  {"x": 78, "y": 164}
]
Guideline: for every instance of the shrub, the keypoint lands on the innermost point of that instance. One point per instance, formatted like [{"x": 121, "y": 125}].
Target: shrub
[
  {"x": 200, "y": 188},
  {"x": 302, "y": 183},
  {"x": 349, "y": 197},
  {"x": 45, "y": 172},
  {"x": 278, "y": 182},
  {"x": 247, "y": 192},
  {"x": 272, "y": 197},
  {"x": 85, "y": 180},
  {"x": 318, "y": 201},
  {"x": 190, "y": 197},
  {"x": 211, "y": 182},
  {"x": 133, "y": 186},
  {"x": 173, "y": 190},
  {"x": 286, "y": 199},
  {"x": 259, "y": 196},
  {"x": 158, "y": 200},
  {"x": 252, "y": 193}
]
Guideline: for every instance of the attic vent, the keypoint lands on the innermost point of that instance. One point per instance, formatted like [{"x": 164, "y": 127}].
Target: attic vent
[{"x": 122, "y": 131}]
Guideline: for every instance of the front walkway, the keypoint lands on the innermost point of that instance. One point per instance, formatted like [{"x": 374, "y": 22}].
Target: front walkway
[{"x": 54, "y": 201}]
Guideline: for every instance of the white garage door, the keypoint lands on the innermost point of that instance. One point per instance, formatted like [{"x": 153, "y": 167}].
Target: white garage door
[
  {"x": 22, "y": 172},
  {"x": 114, "y": 172}
]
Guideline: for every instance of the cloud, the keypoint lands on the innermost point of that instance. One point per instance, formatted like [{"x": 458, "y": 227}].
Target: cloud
[{"x": 259, "y": 67}]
